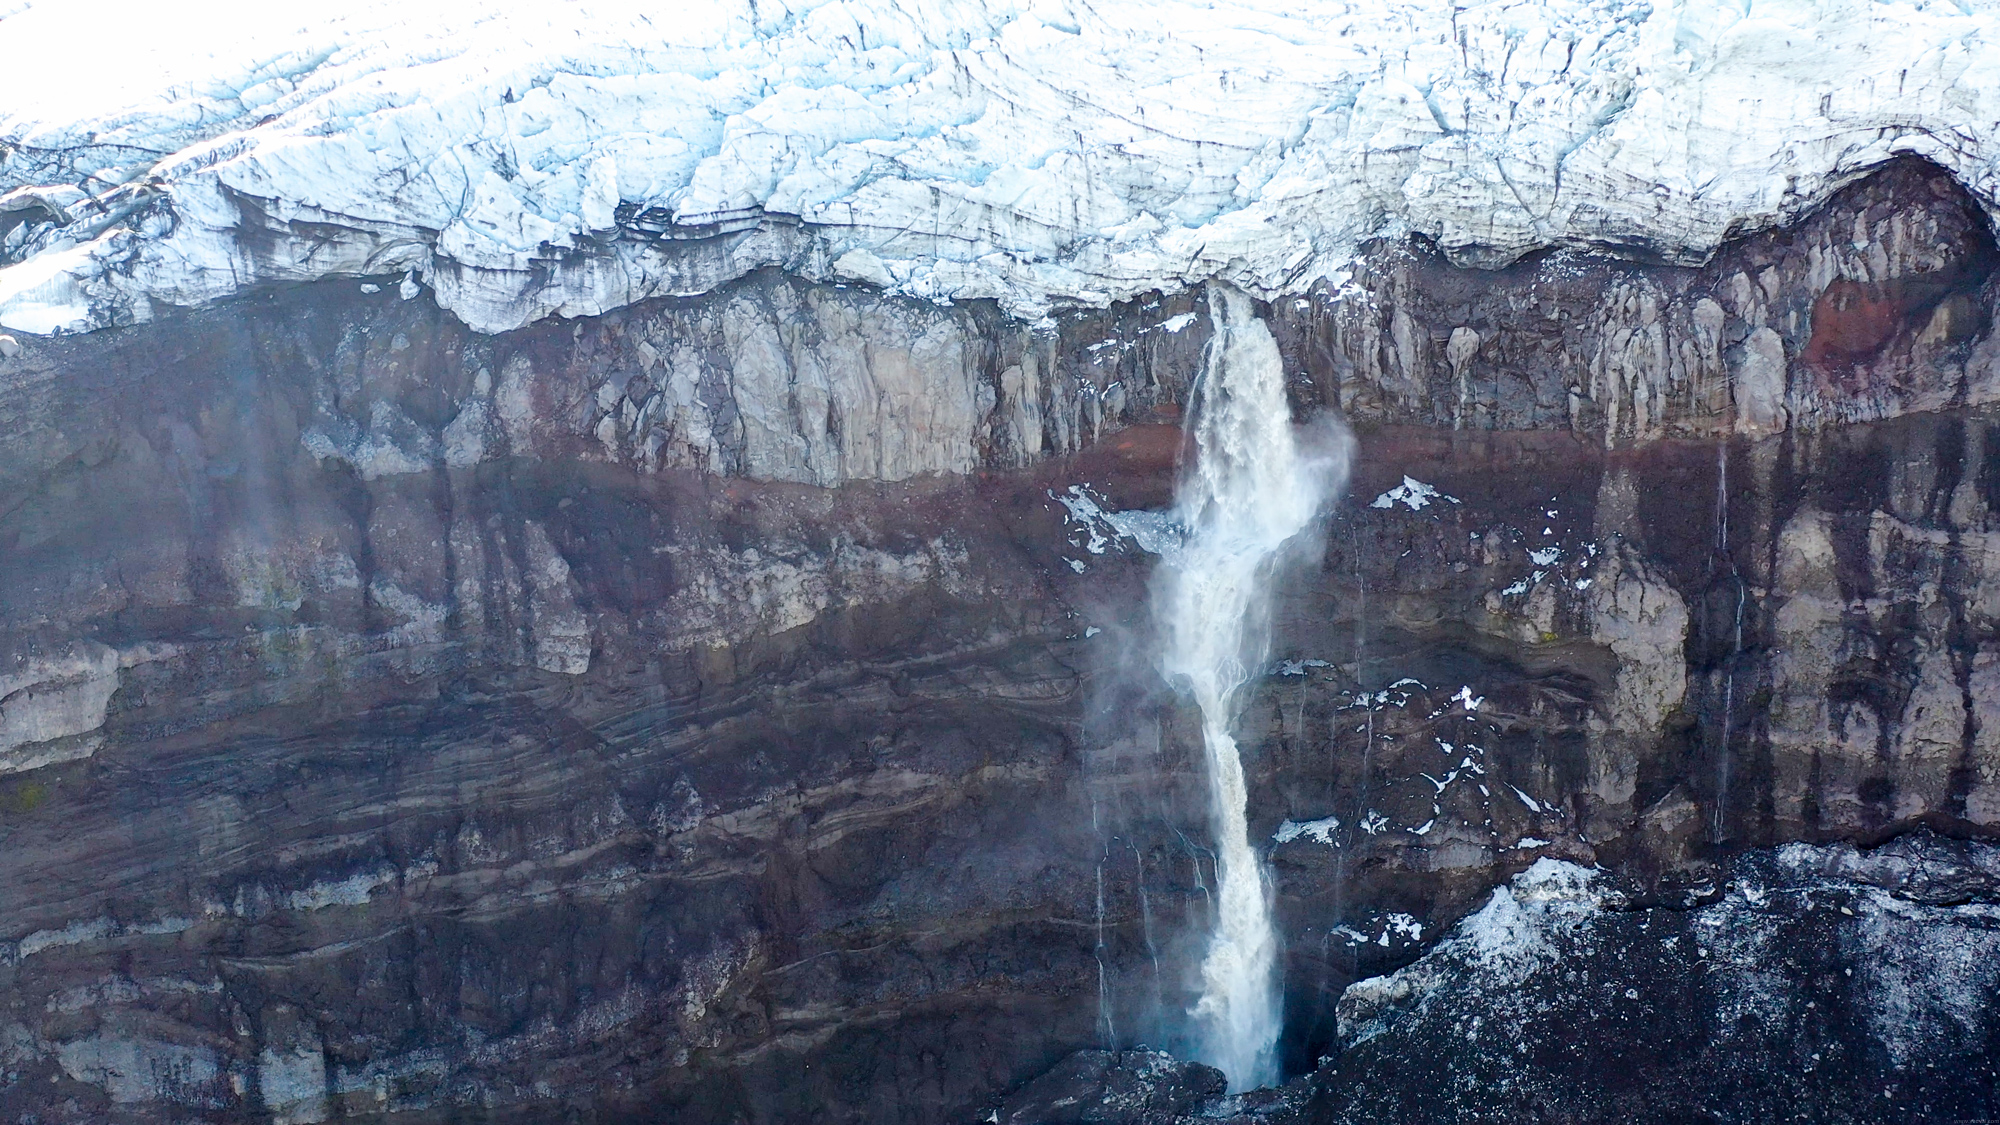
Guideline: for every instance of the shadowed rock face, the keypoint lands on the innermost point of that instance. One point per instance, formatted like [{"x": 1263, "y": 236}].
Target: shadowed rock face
[
  {"x": 709, "y": 712},
  {"x": 1804, "y": 984},
  {"x": 1810, "y": 984}
]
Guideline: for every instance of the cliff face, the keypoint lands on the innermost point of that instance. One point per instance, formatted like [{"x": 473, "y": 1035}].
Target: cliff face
[
  {"x": 1873, "y": 309},
  {"x": 731, "y": 707}
]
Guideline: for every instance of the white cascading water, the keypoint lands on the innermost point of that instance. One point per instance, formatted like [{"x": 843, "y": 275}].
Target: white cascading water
[{"x": 1254, "y": 488}]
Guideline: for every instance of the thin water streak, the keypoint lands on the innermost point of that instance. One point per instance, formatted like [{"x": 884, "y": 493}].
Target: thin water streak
[
  {"x": 1146, "y": 924},
  {"x": 1103, "y": 981},
  {"x": 1718, "y": 817}
]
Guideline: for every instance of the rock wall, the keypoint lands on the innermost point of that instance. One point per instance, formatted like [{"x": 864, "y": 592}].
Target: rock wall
[
  {"x": 730, "y": 708},
  {"x": 1877, "y": 306}
]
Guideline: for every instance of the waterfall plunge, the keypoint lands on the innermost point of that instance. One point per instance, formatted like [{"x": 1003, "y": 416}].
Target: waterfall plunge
[{"x": 1253, "y": 489}]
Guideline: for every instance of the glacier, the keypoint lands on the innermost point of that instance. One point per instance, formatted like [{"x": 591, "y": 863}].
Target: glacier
[{"x": 522, "y": 161}]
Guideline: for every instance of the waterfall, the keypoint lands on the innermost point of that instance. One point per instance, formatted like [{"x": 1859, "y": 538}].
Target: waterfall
[{"x": 1254, "y": 487}]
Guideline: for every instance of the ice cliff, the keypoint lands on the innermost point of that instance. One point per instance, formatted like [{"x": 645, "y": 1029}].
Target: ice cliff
[{"x": 575, "y": 158}]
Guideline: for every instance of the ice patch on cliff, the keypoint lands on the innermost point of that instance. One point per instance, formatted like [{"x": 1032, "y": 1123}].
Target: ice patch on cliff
[
  {"x": 524, "y": 160},
  {"x": 1156, "y": 533},
  {"x": 1321, "y": 830},
  {"x": 1412, "y": 494}
]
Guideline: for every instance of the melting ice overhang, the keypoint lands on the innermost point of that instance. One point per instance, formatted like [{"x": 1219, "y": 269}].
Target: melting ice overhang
[{"x": 541, "y": 158}]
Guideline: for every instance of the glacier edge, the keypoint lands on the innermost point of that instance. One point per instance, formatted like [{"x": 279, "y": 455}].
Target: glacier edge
[{"x": 526, "y": 163}]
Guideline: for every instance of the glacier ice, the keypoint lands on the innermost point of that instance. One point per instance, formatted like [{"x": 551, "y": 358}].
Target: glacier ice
[{"x": 527, "y": 160}]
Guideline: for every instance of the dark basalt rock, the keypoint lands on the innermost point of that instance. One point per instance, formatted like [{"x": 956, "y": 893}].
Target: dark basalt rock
[
  {"x": 1137, "y": 1087},
  {"x": 709, "y": 712},
  {"x": 1807, "y": 985}
]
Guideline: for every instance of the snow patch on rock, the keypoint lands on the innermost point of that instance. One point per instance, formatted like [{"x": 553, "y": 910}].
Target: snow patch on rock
[
  {"x": 1321, "y": 830},
  {"x": 1412, "y": 494},
  {"x": 1515, "y": 934}
]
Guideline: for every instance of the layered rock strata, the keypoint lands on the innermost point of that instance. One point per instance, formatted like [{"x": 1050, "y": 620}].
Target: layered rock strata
[{"x": 737, "y": 708}]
